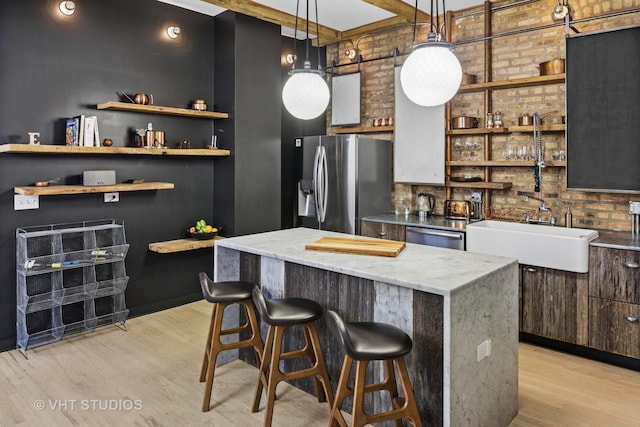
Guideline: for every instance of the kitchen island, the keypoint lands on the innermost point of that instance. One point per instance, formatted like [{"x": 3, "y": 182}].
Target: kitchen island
[{"x": 456, "y": 306}]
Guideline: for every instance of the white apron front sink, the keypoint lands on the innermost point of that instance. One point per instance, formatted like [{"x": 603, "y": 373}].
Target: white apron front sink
[{"x": 539, "y": 245}]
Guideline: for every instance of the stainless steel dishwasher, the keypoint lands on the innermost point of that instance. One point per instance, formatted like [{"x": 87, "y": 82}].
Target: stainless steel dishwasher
[{"x": 436, "y": 237}]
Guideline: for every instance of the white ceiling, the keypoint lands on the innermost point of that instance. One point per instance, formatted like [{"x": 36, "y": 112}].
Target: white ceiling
[{"x": 340, "y": 15}]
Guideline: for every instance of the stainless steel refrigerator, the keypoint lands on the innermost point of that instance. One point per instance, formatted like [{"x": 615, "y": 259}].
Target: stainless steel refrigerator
[{"x": 344, "y": 178}]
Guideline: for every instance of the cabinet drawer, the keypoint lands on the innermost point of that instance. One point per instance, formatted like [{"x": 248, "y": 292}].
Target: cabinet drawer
[
  {"x": 614, "y": 327},
  {"x": 614, "y": 274},
  {"x": 382, "y": 230}
]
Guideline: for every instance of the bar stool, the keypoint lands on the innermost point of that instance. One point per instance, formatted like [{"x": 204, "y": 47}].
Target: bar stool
[
  {"x": 364, "y": 342},
  {"x": 281, "y": 314},
  {"x": 222, "y": 295}
]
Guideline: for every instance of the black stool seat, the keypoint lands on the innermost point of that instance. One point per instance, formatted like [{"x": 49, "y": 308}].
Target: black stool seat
[
  {"x": 286, "y": 311},
  {"x": 279, "y": 315},
  {"x": 225, "y": 291},
  {"x": 222, "y": 295},
  {"x": 362, "y": 343},
  {"x": 370, "y": 340}
]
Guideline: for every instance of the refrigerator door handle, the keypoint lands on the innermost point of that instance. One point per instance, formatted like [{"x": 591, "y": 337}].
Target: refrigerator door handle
[
  {"x": 325, "y": 183},
  {"x": 316, "y": 182}
]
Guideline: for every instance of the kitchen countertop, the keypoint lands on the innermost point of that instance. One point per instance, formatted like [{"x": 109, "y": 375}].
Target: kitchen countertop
[
  {"x": 420, "y": 267},
  {"x": 607, "y": 238},
  {"x": 617, "y": 240},
  {"x": 412, "y": 220}
]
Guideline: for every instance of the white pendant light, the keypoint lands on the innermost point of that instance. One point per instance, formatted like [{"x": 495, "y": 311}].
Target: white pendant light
[
  {"x": 432, "y": 74},
  {"x": 306, "y": 94}
]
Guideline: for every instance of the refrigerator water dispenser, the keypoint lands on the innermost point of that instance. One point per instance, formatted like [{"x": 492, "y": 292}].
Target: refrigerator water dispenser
[{"x": 306, "y": 201}]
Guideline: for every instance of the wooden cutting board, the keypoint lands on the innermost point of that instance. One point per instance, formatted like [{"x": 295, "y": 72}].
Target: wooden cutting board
[{"x": 356, "y": 245}]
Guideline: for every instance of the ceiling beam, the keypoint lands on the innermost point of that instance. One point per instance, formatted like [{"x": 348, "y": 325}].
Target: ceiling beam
[
  {"x": 269, "y": 14},
  {"x": 400, "y": 8},
  {"x": 375, "y": 27}
]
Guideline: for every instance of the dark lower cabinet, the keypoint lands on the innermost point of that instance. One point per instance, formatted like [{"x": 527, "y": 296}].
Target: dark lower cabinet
[
  {"x": 553, "y": 304},
  {"x": 614, "y": 327},
  {"x": 614, "y": 301},
  {"x": 382, "y": 230}
]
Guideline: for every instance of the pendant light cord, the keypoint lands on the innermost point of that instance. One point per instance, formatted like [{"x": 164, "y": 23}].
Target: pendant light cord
[
  {"x": 295, "y": 36},
  {"x": 306, "y": 55},
  {"x": 415, "y": 21},
  {"x": 318, "y": 36}
]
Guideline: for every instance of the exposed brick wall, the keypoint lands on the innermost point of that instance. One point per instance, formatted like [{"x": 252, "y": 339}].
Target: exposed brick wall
[{"x": 514, "y": 56}]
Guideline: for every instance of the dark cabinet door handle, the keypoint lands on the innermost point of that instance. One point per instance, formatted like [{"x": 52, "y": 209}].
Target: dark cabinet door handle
[
  {"x": 632, "y": 319},
  {"x": 632, "y": 264},
  {"x": 531, "y": 269}
]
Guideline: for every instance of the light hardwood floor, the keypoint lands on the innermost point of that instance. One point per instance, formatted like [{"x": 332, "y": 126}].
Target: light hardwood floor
[{"x": 148, "y": 376}]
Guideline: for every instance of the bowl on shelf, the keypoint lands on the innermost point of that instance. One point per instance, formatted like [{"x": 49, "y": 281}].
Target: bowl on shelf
[{"x": 203, "y": 236}]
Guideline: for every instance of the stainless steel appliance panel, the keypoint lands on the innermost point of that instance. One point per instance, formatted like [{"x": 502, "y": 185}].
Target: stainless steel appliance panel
[
  {"x": 351, "y": 179},
  {"x": 435, "y": 237}
]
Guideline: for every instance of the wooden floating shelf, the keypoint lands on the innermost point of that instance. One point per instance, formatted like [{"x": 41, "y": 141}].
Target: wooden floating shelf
[
  {"x": 477, "y": 131},
  {"x": 157, "y": 109},
  {"x": 514, "y": 83},
  {"x": 543, "y": 128},
  {"x": 480, "y": 184},
  {"x": 81, "y": 189},
  {"x": 182, "y": 245},
  {"x": 67, "y": 149},
  {"x": 503, "y": 163},
  {"x": 371, "y": 129}
]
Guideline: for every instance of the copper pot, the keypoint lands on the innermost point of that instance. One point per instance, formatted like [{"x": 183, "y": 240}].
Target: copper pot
[
  {"x": 464, "y": 122},
  {"x": 199, "y": 104},
  {"x": 469, "y": 79},
  {"x": 143, "y": 98},
  {"x": 555, "y": 66}
]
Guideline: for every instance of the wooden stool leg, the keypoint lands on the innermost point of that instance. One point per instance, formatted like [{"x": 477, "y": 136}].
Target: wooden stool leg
[
  {"x": 342, "y": 393},
  {"x": 321, "y": 366},
  {"x": 207, "y": 348},
  {"x": 256, "y": 339},
  {"x": 274, "y": 375},
  {"x": 265, "y": 361},
  {"x": 411, "y": 408},
  {"x": 359, "y": 418},
  {"x": 392, "y": 387},
  {"x": 214, "y": 349}
]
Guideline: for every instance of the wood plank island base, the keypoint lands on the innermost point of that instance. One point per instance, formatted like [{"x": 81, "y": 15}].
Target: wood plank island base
[{"x": 450, "y": 302}]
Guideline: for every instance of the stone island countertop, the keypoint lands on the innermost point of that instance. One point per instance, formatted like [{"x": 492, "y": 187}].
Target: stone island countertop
[{"x": 424, "y": 268}]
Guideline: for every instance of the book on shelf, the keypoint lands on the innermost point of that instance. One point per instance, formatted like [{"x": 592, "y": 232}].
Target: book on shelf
[
  {"x": 74, "y": 130},
  {"x": 91, "y": 136}
]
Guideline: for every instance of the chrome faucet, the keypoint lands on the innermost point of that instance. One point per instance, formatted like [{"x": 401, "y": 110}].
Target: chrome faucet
[{"x": 542, "y": 207}]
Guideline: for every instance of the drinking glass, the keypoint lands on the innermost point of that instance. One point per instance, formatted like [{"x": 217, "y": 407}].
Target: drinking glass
[
  {"x": 510, "y": 152},
  {"x": 459, "y": 147},
  {"x": 523, "y": 152}
]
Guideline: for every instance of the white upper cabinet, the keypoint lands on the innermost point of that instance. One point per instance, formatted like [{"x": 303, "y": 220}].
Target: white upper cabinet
[{"x": 419, "y": 141}]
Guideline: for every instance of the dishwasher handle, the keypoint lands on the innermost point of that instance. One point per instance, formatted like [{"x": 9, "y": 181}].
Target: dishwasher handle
[{"x": 429, "y": 232}]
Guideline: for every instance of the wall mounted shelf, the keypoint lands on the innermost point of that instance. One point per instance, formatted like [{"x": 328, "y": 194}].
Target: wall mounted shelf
[
  {"x": 513, "y": 83},
  {"x": 157, "y": 109},
  {"x": 181, "y": 245},
  {"x": 488, "y": 185},
  {"x": 503, "y": 163},
  {"x": 81, "y": 189},
  {"x": 543, "y": 128},
  {"x": 364, "y": 129},
  {"x": 66, "y": 149},
  {"x": 477, "y": 131}
]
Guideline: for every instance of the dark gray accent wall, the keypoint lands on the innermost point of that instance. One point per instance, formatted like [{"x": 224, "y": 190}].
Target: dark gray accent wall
[
  {"x": 53, "y": 68},
  {"x": 248, "y": 87}
]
